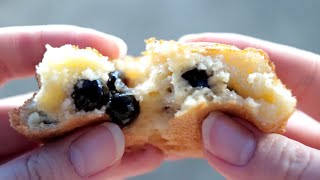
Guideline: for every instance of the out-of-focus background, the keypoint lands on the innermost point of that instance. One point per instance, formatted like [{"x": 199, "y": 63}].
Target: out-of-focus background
[{"x": 293, "y": 22}]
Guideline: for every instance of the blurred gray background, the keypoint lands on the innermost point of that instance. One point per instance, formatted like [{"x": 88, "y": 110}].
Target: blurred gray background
[{"x": 290, "y": 22}]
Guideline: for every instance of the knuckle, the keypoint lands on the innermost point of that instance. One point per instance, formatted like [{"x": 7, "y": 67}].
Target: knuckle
[
  {"x": 4, "y": 70},
  {"x": 294, "y": 160},
  {"x": 38, "y": 166},
  {"x": 286, "y": 159},
  {"x": 307, "y": 79},
  {"x": 32, "y": 170}
]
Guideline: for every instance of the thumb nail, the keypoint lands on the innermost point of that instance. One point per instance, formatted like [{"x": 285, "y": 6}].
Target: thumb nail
[
  {"x": 97, "y": 149},
  {"x": 227, "y": 140}
]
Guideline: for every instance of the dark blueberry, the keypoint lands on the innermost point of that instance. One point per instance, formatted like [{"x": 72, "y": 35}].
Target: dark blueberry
[
  {"x": 89, "y": 95},
  {"x": 113, "y": 76},
  {"x": 123, "y": 109},
  {"x": 196, "y": 77},
  {"x": 45, "y": 119}
]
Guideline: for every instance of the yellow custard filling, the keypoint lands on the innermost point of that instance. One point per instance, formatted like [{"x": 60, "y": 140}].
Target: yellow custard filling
[{"x": 61, "y": 68}]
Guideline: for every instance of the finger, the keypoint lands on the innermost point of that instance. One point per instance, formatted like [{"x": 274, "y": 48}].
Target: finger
[
  {"x": 21, "y": 48},
  {"x": 78, "y": 156},
  {"x": 239, "y": 152},
  {"x": 134, "y": 163},
  {"x": 304, "y": 129},
  {"x": 298, "y": 69},
  {"x": 11, "y": 142},
  {"x": 15, "y": 101}
]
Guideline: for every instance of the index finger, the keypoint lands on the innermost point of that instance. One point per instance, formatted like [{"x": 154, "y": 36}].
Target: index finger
[
  {"x": 298, "y": 69},
  {"x": 21, "y": 48}
]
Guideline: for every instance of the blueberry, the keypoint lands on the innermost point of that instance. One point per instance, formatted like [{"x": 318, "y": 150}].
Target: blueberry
[
  {"x": 196, "y": 77},
  {"x": 89, "y": 95},
  {"x": 123, "y": 109},
  {"x": 113, "y": 76}
]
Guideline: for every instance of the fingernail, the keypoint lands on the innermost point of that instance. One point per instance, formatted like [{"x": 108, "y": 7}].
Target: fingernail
[
  {"x": 97, "y": 149},
  {"x": 122, "y": 46},
  {"x": 187, "y": 38},
  {"x": 119, "y": 45},
  {"x": 227, "y": 140},
  {"x": 199, "y": 37}
]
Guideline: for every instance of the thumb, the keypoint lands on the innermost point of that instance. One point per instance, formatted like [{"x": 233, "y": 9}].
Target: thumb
[
  {"x": 239, "y": 151},
  {"x": 80, "y": 155}
]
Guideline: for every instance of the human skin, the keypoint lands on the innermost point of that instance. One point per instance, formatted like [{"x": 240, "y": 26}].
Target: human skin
[{"x": 238, "y": 150}]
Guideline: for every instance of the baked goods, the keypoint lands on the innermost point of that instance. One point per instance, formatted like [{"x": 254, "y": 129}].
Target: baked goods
[
  {"x": 77, "y": 87},
  {"x": 159, "y": 98}
]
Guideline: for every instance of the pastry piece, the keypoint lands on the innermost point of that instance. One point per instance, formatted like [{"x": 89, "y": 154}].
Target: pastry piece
[
  {"x": 183, "y": 83},
  {"x": 161, "y": 97},
  {"x": 77, "y": 87}
]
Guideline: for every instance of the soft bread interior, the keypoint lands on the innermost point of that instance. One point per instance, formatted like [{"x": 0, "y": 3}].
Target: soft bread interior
[
  {"x": 57, "y": 75},
  {"x": 240, "y": 82}
]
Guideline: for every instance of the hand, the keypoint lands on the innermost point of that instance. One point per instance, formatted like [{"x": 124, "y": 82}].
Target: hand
[
  {"x": 90, "y": 153},
  {"x": 239, "y": 151}
]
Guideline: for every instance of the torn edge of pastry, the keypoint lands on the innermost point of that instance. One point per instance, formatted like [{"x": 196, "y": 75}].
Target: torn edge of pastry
[
  {"x": 187, "y": 80},
  {"x": 77, "y": 87}
]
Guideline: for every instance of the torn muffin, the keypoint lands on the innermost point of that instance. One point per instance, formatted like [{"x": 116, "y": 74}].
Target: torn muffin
[
  {"x": 77, "y": 87},
  {"x": 159, "y": 98}
]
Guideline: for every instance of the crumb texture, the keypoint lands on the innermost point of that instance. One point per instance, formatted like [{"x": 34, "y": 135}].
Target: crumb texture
[{"x": 59, "y": 71}]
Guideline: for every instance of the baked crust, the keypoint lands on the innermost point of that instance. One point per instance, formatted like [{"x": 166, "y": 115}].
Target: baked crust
[
  {"x": 184, "y": 132},
  {"x": 43, "y": 136}
]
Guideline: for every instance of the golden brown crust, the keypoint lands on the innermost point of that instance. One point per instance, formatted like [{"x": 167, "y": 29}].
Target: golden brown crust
[
  {"x": 64, "y": 127},
  {"x": 184, "y": 131}
]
